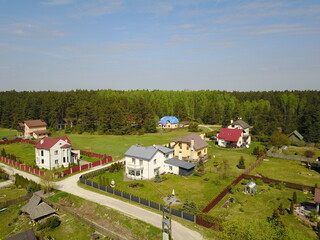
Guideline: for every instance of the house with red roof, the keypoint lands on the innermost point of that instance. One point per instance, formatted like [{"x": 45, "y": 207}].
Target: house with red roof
[
  {"x": 55, "y": 153},
  {"x": 230, "y": 137},
  {"x": 33, "y": 129}
]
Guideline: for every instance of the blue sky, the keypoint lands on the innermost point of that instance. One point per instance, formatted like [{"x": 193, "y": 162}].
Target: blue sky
[{"x": 148, "y": 44}]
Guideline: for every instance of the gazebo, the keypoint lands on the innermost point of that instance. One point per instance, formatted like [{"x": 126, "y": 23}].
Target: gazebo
[{"x": 250, "y": 188}]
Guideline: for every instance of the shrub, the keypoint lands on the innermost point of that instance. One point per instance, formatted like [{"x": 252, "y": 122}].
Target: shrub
[
  {"x": 241, "y": 164},
  {"x": 309, "y": 154},
  {"x": 52, "y": 222},
  {"x": 193, "y": 127},
  {"x": 259, "y": 182}
]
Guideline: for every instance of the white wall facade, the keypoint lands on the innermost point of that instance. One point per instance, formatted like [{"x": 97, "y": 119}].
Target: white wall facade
[
  {"x": 137, "y": 168},
  {"x": 55, "y": 157},
  {"x": 171, "y": 169}
]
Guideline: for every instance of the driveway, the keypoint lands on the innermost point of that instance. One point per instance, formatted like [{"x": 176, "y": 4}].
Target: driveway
[{"x": 70, "y": 185}]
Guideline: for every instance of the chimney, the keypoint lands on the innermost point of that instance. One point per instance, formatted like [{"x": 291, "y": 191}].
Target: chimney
[
  {"x": 192, "y": 143},
  {"x": 231, "y": 121},
  {"x": 202, "y": 136}
]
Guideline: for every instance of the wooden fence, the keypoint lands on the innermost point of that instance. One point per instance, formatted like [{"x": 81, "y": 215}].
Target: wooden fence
[
  {"x": 223, "y": 193},
  {"x": 22, "y": 166}
]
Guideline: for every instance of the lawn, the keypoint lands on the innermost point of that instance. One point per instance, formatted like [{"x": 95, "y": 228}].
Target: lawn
[
  {"x": 23, "y": 151},
  {"x": 11, "y": 193},
  {"x": 199, "y": 189},
  {"x": 261, "y": 206},
  {"x": 117, "y": 145},
  {"x": 288, "y": 170},
  {"x": 109, "y": 218},
  {"x": 292, "y": 150},
  {"x": 7, "y": 133}
]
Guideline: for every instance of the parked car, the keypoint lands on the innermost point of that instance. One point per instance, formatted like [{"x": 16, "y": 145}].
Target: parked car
[
  {"x": 4, "y": 139},
  {"x": 17, "y": 138},
  {"x": 213, "y": 138}
]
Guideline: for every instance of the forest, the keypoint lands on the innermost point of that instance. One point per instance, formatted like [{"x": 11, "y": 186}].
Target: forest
[{"x": 137, "y": 111}]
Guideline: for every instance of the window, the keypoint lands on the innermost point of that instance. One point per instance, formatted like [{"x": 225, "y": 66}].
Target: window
[
  {"x": 56, "y": 152},
  {"x": 180, "y": 145},
  {"x": 56, "y": 162},
  {"x": 155, "y": 161},
  {"x": 64, "y": 159},
  {"x": 199, "y": 153},
  {"x": 141, "y": 162},
  {"x": 42, "y": 161},
  {"x": 187, "y": 147},
  {"x": 156, "y": 171},
  {"x": 137, "y": 173},
  {"x": 42, "y": 153},
  {"x": 131, "y": 172},
  {"x": 170, "y": 168},
  {"x": 133, "y": 160}
]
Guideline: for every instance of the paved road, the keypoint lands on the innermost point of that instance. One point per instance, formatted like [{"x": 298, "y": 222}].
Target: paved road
[
  {"x": 70, "y": 185},
  {"x": 5, "y": 183}
]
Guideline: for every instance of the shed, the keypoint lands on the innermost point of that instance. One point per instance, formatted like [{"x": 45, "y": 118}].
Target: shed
[
  {"x": 250, "y": 188},
  {"x": 295, "y": 136},
  {"x": 185, "y": 168},
  {"x": 25, "y": 235},
  {"x": 37, "y": 209}
]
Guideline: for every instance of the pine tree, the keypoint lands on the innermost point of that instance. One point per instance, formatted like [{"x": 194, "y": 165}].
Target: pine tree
[
  {"x": 281, "y": 209},
  {"x": 291, "y": 208},
  {"x": 241, "y": 163},
  {"x": 294, "y": 197}
]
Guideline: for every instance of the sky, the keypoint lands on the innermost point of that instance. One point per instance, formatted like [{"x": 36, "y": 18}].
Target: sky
[{"x": 232, "y": 45}]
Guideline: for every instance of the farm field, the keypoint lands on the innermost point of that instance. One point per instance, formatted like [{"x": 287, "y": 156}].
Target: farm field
[
  {"x": 260, "y": 206},
  {"x": 288, "y": 170}
]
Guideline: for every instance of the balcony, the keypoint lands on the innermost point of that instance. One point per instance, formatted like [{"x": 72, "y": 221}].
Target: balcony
[{"x": 134, "y": 166}]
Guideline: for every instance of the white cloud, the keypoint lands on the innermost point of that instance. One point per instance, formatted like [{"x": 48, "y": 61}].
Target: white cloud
[
  {"x": 98, "y": 8},
  {"x": 32, "y": 30},
  {"x": 57, "y": 2},
  {"x": 280, "y": 28}
]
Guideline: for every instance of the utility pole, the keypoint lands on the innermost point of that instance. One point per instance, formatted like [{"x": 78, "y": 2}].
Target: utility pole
[{"x": 166, "y": 223}]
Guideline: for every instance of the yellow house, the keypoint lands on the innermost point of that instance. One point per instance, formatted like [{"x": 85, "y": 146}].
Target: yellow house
[
  {"x": 34, "y": 129},
  {"x": 191, "y": 147}
]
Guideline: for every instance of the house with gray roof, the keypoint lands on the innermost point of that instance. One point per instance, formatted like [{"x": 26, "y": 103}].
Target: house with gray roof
[
  {"x": 240, "y": 124},
  {"x": 147, "y": 162},
  {"x": 37, "y": 209}
]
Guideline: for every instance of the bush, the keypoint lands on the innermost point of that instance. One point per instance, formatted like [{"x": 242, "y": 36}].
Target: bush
[
  {"x": 52, "y": 222},
  {"x": 241, "y": 164},
  {"x": 259, "y": 182},
  {"x": 309, "y": 154},
  {"x": 193, "y": 127}
]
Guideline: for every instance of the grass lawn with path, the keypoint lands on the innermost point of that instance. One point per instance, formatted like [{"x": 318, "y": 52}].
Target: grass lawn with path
[
  {"x": 293, "y": 150},
  {"x": 261, "y": 206},
  {"x": 287, "y": 170},
  {"x": 200, "y": 189}
]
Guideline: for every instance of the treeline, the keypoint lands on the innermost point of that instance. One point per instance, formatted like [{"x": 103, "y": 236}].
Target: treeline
[{"x": 126, "y": 112}]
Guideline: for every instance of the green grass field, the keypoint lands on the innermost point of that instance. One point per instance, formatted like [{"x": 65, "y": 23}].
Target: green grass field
[
  {"x": 23, "y": 151},
  {"x": 115, "y": 145},
  {"x": 11, "y": 193},
  {"x": 288, "y": 170},
  {"x": 261, "y": 206},
  {"x": 7, "y": 133}
]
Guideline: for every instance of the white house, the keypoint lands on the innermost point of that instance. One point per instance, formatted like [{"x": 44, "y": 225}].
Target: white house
[
  {"x": 146, "y": 162},
  {"x": 55, "y": 152},
  {"x": 240, "y": 124},
  {"x": 230, "y": 137}
]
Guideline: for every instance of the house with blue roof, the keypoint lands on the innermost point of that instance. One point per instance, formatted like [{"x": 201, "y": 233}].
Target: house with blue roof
[
  {"x": 147, "y": 162},
  {"x": 168, "y": 122}
]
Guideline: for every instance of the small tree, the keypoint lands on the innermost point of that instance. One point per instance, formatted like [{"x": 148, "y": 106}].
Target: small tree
[
  {"x": 3, "y": 152},
  {"x": 193, "y": 127},
  {"x": 291, "y": 208},
  {"x": 281, "y": 209},
  {"x": 294, "y": 198},
  {"x": 309, "y": 154},
  {"x": 241, "y": 163},
  {"x": 53, "y": 222},
  {"x": 200, "y": 165},
  {"x": 157, "y": 178},
  {"x": 47, "y": 182}
]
